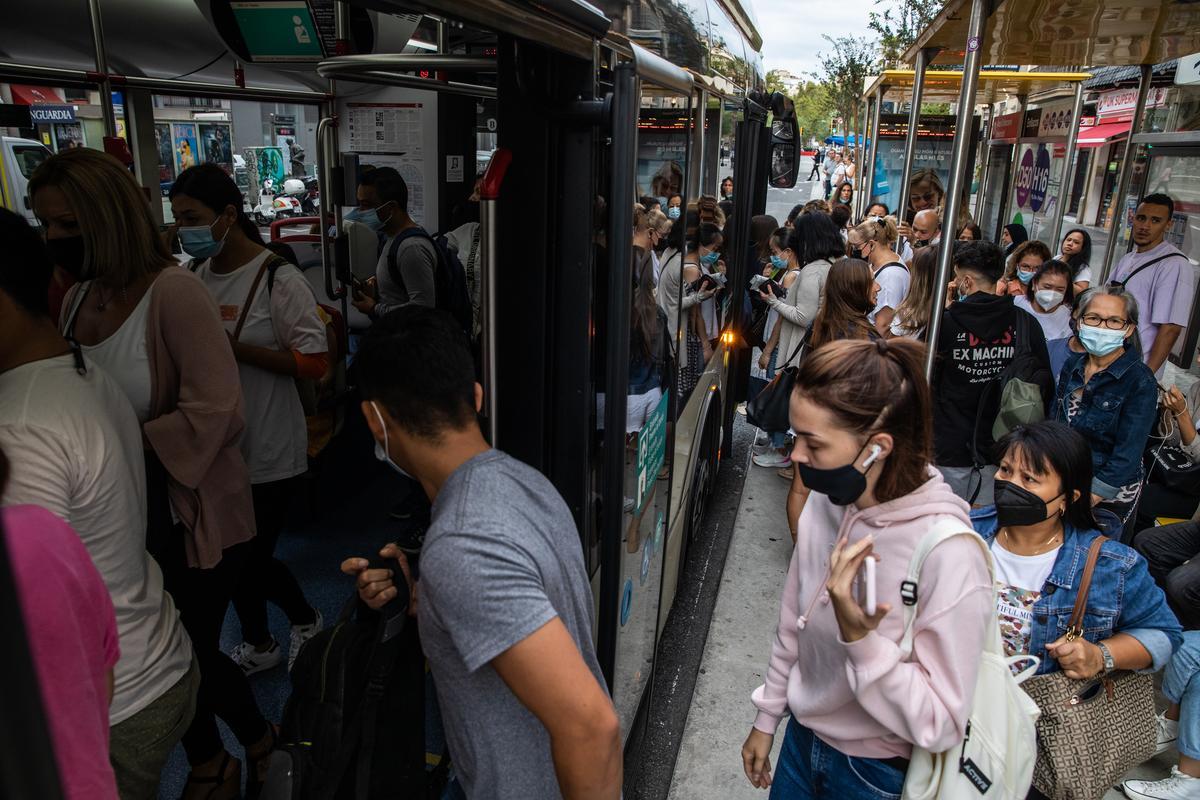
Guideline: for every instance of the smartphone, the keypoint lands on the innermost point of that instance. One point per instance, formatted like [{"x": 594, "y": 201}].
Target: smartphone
[{"x": 867, "y": 583}]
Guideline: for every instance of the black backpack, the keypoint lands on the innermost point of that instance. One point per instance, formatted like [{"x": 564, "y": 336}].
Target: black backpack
[
  {"x": 354, "y": 726},
  {"x": 449, "y": 279}
]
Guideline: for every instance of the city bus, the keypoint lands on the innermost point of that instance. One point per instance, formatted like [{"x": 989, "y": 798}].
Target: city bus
[{"x": 577, "y": 109}]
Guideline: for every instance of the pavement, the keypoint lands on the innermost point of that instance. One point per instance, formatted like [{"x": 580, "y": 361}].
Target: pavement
[{"x": 738, "y": 647}]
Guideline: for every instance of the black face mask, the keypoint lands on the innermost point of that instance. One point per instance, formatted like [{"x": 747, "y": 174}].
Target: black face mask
[
  {"x": 70, "y": 254},
  {"x": 1017, "y": 506},
  {"x": 856, "y": 252},
  {"x": 842, "y": 485}
]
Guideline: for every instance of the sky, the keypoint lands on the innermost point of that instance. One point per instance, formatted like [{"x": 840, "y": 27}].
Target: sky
[{"x": 791, "y": 30}]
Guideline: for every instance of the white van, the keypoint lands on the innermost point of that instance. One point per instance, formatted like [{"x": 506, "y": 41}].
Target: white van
[{"x": 18, "y": 159}]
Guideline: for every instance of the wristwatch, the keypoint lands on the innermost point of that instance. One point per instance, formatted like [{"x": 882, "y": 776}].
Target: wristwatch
[{"x": 1109, "y": 665}]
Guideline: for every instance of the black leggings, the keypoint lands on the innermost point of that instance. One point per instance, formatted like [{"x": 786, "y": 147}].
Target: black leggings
[
  {"x": 202, "y": 597},
  {"x": 266, "y": 578},
  {"x": 1172, "y": 554}
]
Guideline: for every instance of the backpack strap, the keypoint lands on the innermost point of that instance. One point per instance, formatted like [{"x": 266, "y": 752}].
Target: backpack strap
[
  {"x": 910, "y": 589},
  {"x": 237, "y": 331},
  {"x": 393, "y": 264},
  {"x": 1147, "y": 265},
  {"x": 386, "y": 650}
]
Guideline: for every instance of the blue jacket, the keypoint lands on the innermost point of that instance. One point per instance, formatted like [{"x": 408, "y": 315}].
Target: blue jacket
[
  {"x": 1116, "y": 416},
  {"x": 1123, "y": 598}
]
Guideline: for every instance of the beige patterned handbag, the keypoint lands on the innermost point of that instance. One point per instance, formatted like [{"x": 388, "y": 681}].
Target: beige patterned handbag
[{"x": 1092, "y": 731}]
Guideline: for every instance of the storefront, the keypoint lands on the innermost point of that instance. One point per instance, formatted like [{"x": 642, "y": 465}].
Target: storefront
[{"x": 1166, "y": 160}]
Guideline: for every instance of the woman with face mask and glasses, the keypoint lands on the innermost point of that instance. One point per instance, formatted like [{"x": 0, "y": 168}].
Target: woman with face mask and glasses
[
  {"x": 1109, "y": 395},
  {"x": 1049, "y": 296},
  {"x": 857, "y": 705},
  {"x": 277, "y": 337},
  {"x": 155, "y": 329}
]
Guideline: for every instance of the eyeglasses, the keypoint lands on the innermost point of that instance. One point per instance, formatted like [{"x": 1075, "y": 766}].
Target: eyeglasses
[
  {"x": 927, "y": 197},
  {"x": 1112, "y": 323},
  {"x": 1029, "y": 267}
]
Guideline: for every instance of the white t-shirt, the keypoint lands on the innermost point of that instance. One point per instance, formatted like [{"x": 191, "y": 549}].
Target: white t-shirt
[
  {"x": 905, "y": 251},
  {"x": 893, "y": 280},
  {"x": 1019, "y": 582},
  {"x": 75, "y": 449},
  {"x": 1056, "y": 324},
  {"x": 275, "y": 444},
  {"x": 123, "y": 354}
]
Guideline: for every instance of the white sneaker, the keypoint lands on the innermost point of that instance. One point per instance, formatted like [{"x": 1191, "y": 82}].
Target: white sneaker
[
  {"x": 741, "y": 408},
  {"x": 300, "y": 635},
  {"x": 772, "y": 458},
  {"x": 1168, "y": 733},
  {"x": 1176, "y": 787},
  {"x": 252, "y": 661}
]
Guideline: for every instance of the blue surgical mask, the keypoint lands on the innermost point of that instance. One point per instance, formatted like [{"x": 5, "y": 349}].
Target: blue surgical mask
[
  {"x": 381, "y": 449},
  {"x": 1025, "y": 277},
  {"x": 370, "y": 217},
  {"x": 708, "y": 259},
  {"x": 778, "y": 261},
  {"x": 673, "y": 212},
  {"x": 198, "y": 242},
  {"x": 1100, "y": 341}
]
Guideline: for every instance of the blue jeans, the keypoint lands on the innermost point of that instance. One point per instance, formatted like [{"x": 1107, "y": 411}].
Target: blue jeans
[
  {"x": 1181, "y": 687},
  {"x": 809, "y": 768}
]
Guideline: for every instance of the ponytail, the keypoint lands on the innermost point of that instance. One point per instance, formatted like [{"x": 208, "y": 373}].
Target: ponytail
[{"x": 874, "y": 387}]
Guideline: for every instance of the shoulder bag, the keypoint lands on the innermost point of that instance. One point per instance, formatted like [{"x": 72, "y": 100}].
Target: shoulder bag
[
  {"x": 1166, "y": 463},
  {"x": 769, "y": 410},
  {"x": 1091, "y": 731}
]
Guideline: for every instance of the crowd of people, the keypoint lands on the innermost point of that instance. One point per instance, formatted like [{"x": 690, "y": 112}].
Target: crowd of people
[
  {"x": 154, "y": 431},
  {"x": 1042, "y": 430}
]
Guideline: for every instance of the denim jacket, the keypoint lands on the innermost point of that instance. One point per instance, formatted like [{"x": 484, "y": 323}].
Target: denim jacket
[
  {"x": 1117, "y": 413},
  {"x": 1123, "y": 598}
]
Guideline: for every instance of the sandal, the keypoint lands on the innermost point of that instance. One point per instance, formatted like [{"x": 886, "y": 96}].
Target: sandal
[
  {"x": 254, "y": 782},
  {"x": 225, "y": 785}
]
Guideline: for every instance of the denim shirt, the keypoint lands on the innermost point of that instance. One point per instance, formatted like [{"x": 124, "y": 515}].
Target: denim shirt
[
  {"x": 1123, "y": 598},
  {"x": 1116, "y": 415}
]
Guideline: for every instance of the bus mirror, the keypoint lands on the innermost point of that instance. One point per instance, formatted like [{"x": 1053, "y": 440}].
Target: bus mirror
[{"x": 785, "y": 153}]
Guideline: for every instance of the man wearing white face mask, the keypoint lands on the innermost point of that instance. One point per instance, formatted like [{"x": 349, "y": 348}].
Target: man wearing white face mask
[
  {"x": 408, "y": 262},
  {"x": 504, "y": 603}
]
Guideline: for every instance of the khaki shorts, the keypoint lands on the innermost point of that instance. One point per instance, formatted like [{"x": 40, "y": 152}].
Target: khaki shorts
[{"x": 140, "y": 746}]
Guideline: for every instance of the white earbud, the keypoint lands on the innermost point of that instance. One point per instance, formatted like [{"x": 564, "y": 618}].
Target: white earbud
[{"x": 876, "y": 452}]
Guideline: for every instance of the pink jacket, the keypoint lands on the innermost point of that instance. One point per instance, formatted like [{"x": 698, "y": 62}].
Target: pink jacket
[{"x": 860, "y": 697}]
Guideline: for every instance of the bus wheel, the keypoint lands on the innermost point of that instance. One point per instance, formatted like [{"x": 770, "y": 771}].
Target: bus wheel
[{"x": 704, "y": 476}]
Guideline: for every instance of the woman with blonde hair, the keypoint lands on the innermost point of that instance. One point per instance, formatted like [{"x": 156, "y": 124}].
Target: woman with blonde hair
[
  {"x": 912, "y": 317},
  {"x": 155, "y": 329},
  {"x": 873, "y": 241}
]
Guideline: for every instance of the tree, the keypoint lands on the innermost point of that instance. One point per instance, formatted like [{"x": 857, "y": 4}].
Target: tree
[
  {"x": 813, "y": 110},
  {"x": 843, "y": 72},
  {"x": 899, "y": 25}
]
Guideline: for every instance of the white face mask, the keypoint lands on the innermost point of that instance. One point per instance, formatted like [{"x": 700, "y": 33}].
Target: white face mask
[
  {"x": 381, "y": 449},
  {"x": 1048, "y": 298}
]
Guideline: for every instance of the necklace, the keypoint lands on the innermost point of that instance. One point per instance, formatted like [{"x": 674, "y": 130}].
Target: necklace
[
  {"x": 103, "y": 302},
  {"x": 1039, "y": 551}
]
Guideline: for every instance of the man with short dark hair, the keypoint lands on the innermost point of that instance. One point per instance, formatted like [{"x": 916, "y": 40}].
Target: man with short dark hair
[
  {"x": 1159, "y": 277},
  {"x": 407, "y": 268},
  {"x": 74, "y": 447},
  {"x": 505, "y": 604},
  {"x": 979, "y": 338}
]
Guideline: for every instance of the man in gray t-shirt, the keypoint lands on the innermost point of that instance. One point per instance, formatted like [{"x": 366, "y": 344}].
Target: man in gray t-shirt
[{"x": 505, "y": 605}]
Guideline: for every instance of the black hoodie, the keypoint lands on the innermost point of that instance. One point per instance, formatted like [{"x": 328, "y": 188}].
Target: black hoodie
[{"x": 977, "y": 342}]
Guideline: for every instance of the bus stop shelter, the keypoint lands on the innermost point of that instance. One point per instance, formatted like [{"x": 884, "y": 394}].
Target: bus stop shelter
[
  {"x": 900, "y": 86},
  {"x": 1084, "y": 32}
]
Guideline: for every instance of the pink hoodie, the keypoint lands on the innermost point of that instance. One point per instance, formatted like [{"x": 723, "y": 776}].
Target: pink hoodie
[{"x": 860, "y": 697}]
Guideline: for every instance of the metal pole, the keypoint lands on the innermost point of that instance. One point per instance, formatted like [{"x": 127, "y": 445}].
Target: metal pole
[
  {"x": 1064, "y": 188},
  {"x": 857, "y": 149},
  {"x": 958, "y": 169},
  {"x": 1126, "y": 171},
  {"x": 914, "y": 119},
  {"x": 106, "y": 106},
  {"x": 869, "y": 167}
]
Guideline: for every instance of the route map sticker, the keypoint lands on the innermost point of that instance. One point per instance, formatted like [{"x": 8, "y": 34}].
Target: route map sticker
[{"x": 652, "y": 447}]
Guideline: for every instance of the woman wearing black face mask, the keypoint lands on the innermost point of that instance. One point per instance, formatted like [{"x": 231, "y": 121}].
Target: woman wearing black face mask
[
  {"x": 858, "y": 705},
  {"x": 1039, "y": 533},
  {"x": 154, "y": 328}
]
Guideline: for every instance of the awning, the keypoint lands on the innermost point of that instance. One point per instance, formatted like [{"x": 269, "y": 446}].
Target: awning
[
  {"x": 30, "y": 95},
  {"x": 1099, "y": 135}
]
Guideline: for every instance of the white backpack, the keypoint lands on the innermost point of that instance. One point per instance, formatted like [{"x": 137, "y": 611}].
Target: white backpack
[{"x": 995, "y": 760}]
